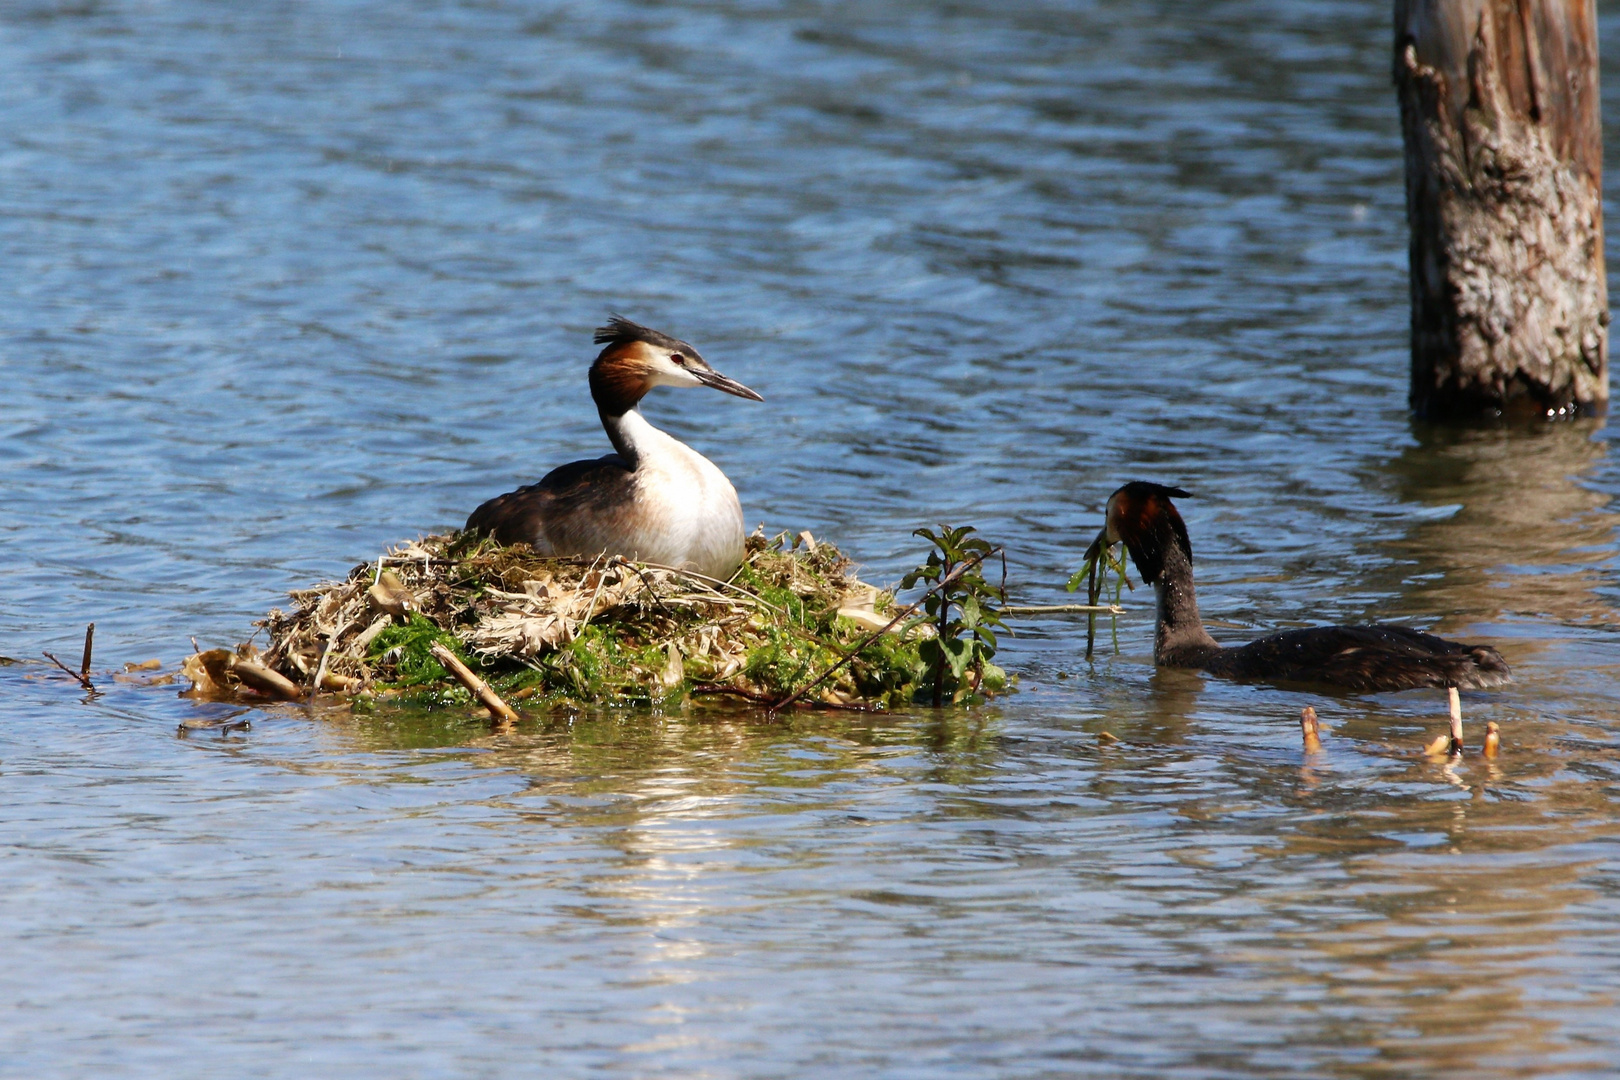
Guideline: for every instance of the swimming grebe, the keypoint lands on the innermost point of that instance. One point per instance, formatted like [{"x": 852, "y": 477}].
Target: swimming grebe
[
  {"x": 657, "y": 500},
  {"x": 1368, "y": 658}
]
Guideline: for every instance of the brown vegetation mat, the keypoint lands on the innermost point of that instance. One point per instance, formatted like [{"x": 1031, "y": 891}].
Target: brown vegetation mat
[{"x": 545, "y": 630}]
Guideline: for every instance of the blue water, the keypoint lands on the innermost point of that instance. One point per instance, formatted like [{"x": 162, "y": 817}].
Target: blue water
[{"x": 285, "y": 283}]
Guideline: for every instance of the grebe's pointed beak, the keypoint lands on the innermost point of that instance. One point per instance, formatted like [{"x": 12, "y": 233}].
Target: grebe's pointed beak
[{"x": 710, "y": 377}]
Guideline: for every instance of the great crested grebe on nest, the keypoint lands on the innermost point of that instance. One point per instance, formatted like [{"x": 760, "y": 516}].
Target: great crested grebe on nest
[
  {"x": 656, "y": 500},
  {"x": 1141, "y": 516}
]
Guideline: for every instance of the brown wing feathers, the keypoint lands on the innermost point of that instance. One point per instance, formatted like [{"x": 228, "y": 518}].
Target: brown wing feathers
[{"x": 521, "y": 516}]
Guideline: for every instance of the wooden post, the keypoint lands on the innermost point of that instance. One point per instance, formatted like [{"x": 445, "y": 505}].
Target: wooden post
[{"x": 1504, "y": 167}]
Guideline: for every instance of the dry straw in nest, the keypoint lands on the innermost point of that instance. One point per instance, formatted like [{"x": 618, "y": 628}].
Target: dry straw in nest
[{"x": 577, "y": 630}]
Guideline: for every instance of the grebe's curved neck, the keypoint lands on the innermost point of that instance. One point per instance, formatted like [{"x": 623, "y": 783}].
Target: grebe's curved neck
[
  {"x": 1142, "y": 516},
  {"x": 1179, "y": 637},
  {"x": 618, "y": 383},
  {"x": 629, "y": 431}
]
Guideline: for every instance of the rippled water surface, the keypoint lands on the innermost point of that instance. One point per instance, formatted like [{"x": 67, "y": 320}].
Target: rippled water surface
[{"x": 284, "y": 283}]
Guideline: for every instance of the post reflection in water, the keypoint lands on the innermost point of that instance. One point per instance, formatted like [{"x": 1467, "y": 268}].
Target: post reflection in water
[
  {"x": 1456, "y": 917},
  {"x": 1513, "y": 533}
]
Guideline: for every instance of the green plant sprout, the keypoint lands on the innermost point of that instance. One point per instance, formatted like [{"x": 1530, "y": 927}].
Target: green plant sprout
[{"x": 963, "y": 614}]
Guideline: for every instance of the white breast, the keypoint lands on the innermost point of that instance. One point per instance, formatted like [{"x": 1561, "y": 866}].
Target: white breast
[{"x": 686, "y": 512}]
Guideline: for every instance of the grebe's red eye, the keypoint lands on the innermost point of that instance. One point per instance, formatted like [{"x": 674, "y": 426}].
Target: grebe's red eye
[{"x": 679, "y": 358}]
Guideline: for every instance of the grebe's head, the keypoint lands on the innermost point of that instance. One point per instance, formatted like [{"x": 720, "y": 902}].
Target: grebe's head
[
  {"x": 1142, "y": 517},
  {"x": 634, "y": 359}
]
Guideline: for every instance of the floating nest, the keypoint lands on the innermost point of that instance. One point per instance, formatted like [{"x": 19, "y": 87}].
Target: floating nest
[{"x": 554, "y": 631}]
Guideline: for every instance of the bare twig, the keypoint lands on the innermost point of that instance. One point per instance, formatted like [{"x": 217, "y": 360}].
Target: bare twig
[
  {"x": 479, "y": 689},
  {"x": 264, "y": 680},
  {"x": 601, "y": 578},
  {"x": 636, "y": 570},
  {"x": 342, "y": 684},
  {"x": 695, "y": 576},
  {"x": 89, "y": 639},
  {"x": 82, "y": 680},
  {"x": 948, "y": 579},
  {"x": 320, "y": 668},
  {"x": 1054, "y": 609}
]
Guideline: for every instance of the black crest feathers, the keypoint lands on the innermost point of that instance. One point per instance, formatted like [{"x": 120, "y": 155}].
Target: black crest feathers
[{"x": 621, "y": 331}]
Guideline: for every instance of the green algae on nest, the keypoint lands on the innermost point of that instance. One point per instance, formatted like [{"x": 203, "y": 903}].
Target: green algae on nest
[{"x": 557, "y": 631}]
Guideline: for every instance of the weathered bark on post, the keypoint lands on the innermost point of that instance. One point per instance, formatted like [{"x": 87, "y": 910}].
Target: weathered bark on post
[{"x": 1504, "y": 167}]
